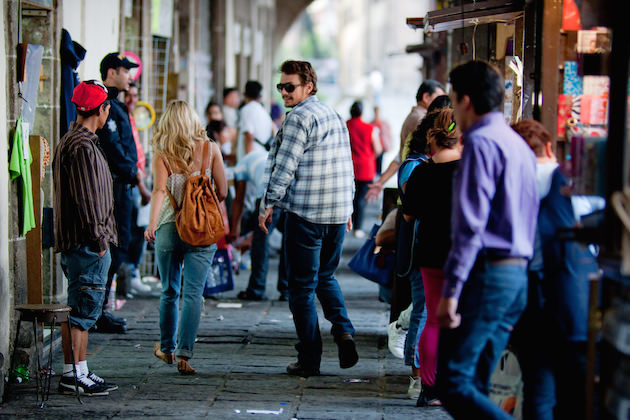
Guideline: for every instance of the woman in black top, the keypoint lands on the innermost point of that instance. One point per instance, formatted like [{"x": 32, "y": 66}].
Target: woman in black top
[{"x": 428, "y": 198}]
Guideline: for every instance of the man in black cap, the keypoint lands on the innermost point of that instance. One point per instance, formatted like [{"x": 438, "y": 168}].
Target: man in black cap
[{"x": 116, "y": 139}]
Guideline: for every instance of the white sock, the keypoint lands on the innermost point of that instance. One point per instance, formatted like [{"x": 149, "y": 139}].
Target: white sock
[
  {"x": 67, "y": 370},
  {"x": 83, "y": 367}
]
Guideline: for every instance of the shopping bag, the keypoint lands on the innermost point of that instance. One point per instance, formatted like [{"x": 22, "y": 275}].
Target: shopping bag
[
  {"x": 371, "y": 263},
  {"x": 219, "y": 277},
  {"x": 506, "y": 385}
]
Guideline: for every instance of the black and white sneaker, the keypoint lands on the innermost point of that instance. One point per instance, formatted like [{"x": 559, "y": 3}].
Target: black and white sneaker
[
  {"x": 109, "y": 386},
  {"x": 86, "y": 386}
]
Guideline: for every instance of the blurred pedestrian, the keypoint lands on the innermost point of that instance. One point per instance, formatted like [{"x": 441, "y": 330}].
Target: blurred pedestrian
[
  {"x": 384, "y": 134},
  {"x": 554, "y": 374},
  {"x": 255, "y": 128},
  {"x": 231, "y": 102},
  {"x": 495, "y": 205},
  {"x": 365, "y": 146},
  {"x": 117, "y": 141},
  {"x": 428, "y": 200},
  {"x": 427, "y": 92},
  {"x": 179, "y": 143},
  {"x": 310, "y": 176}
]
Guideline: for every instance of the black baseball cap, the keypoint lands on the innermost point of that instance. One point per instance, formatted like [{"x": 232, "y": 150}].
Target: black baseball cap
[{"x": 115, "y": 60}]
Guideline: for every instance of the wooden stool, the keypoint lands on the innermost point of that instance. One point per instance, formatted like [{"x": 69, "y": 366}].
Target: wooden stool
[{"x": 52, "y": 315}]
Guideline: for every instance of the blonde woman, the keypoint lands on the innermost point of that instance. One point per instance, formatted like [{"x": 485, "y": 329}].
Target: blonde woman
[{"x": 178, "y": 145}]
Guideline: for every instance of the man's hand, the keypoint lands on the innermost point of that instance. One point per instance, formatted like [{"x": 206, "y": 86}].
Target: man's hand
[
  {"x": 145, "y": 194},
  {"x": 373, "y": 191},
  {"x": 349, "y": 225},
  {"x": 263, "y": 221},
  {"x": 447, "y": 313},
  {"x": 101, "y": 253},
  {"x": 235, "y": 232}
]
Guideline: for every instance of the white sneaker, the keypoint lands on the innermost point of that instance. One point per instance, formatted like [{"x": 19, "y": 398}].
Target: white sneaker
[
  {"x": 396, "y": 340},
  {"x": 138, "y": 287},
  {"x": 415, "y": 387}
]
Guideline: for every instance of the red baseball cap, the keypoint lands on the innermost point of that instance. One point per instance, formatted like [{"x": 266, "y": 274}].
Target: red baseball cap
[{"x": 89, "y": 95}]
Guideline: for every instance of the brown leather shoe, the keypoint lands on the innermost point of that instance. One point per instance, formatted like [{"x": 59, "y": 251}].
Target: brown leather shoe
[
  {"x": 296, "y": 369},
  {"x": 348, "y": 355}
]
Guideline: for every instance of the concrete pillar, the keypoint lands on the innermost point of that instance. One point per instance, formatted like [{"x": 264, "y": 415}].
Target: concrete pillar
[{"x": 230, "y": 63}]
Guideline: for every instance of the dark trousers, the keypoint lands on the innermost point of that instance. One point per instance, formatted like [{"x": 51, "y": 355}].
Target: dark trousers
[
  {"x": 123, "y": 212},
  {"x": 491, "y": 303},
  {"x": 359, "y": 203},
  {"x": 312, "y": 253},
  {"x": 553, "y": 368},
  {"x": 260, "y": 260}
]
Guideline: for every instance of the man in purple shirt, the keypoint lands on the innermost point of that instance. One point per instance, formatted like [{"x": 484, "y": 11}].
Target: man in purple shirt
[{"x": 493, "y": 227}]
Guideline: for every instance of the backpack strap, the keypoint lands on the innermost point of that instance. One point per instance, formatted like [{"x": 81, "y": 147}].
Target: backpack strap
[
  {"x": 206, "y": 158},
  {"x": 170, "y": 196}
]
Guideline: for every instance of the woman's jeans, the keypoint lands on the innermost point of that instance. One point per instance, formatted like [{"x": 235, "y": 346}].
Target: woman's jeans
[
  {"x": 171, "y": 252},
  {"x": 417, "y": 319}
]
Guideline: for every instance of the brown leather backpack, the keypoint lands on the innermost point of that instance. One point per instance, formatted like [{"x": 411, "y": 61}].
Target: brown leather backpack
[{"x": 199, "y": 220}]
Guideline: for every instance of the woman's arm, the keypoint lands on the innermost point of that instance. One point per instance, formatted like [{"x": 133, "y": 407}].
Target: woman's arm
[
  {"x": 160, "y": 176},
  {"x": 218, "y": 172}
]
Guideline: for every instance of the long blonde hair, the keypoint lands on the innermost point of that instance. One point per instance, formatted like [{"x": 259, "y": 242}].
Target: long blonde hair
[{"x": 176, "y": 133}]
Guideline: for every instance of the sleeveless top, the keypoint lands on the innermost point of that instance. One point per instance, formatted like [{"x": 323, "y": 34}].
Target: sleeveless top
[{"x": 175, "y": 184}]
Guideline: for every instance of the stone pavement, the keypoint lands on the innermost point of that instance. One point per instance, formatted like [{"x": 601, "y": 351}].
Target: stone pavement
[{"x": 240, "y": 358}]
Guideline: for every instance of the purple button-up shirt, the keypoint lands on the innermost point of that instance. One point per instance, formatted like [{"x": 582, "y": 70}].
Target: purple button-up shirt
[{"x": 495, "y": 202}]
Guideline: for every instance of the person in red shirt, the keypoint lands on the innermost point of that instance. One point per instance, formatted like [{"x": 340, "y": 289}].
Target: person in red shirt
[{"x": 366, "y": 146}]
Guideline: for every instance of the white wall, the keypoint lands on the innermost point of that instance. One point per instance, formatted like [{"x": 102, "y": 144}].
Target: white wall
[
  {"x": 95, "y": 25},
  {"x": 5, "y": 294}
]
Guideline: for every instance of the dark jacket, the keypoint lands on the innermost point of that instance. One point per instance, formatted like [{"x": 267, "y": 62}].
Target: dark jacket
[
  {"x": 116, "y": 139},
  {"x": 566, "y": 264},
  {"x": 72, "y": 54}
]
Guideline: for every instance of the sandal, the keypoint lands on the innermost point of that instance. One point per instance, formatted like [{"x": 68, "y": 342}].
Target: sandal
[
  {"x": 168, "y": 358},
  {"x": 184, "y": 368}
]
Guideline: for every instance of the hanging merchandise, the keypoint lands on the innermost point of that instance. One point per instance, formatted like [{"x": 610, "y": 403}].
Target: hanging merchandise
[{"x": 20, "y": 166}]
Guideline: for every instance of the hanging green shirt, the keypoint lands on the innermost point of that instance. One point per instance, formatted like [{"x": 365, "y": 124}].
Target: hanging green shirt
[{"x": 20, "y": 166}]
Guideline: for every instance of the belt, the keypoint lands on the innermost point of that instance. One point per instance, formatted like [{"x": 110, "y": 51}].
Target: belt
[{"x": 519, "y": 261}]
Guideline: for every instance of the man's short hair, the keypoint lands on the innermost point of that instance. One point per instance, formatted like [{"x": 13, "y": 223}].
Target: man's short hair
[
  {"x": 428, "y": 86},
  {"x": 227, "y": 91},
  {"x": 91, "y": 112},
  {"x": 253, "y": 89},
  {"x": 356, "y": 109},
  {"x": 481, "y": 82},
  {"x": 303, "y": 69},
  {"x": 535, "y": 135}
]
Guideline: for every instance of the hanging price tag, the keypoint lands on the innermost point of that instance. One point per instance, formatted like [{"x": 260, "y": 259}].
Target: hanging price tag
[{"x": 26, "y": 132}]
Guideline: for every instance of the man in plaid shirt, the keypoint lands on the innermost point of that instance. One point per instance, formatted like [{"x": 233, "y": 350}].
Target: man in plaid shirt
[{"x": 310, "y": 175}]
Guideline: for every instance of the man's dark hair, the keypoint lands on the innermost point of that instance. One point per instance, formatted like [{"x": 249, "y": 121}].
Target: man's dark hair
[
  {"x": 88, "y": 114},
  {"x": 356, "y": 109},
  {"x": 303, "y": 69},
  {"x": 442, "y": 101},
  {"x": 227, "y": 91},
  {"x": 253, "y": 89},
  {"x": 428, "y": 86},
  {"x": 104, "y": 72},
  {"x": 481, "y": 82}
]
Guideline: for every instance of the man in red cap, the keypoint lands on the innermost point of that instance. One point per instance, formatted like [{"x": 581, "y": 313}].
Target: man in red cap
[{"x": 84, "y": 230}]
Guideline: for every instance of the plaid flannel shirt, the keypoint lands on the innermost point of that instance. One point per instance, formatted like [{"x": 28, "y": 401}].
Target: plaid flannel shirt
[{"x": 309, "y": 170}]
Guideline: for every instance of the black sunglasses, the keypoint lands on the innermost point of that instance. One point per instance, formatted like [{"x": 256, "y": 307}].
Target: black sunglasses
[{"x": 287, "y": 86}]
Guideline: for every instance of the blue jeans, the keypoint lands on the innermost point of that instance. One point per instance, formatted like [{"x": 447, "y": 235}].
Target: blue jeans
[
  {"x": 416, "y": 321},
  {"x": 87, "y": 276},
  {"x": 491, "y": 302},
  {"x": 171, "y": 252},
  {"x": 260, "y": 260},
  {"x": 312, "y": 254}
]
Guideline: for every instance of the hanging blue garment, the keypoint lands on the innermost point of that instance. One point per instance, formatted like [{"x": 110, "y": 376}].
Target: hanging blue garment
[{"x": 71, "y": 55}]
